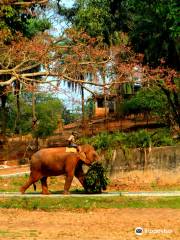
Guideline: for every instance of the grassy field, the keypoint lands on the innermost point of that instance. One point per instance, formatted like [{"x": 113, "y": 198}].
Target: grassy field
[
  {"x": 86, "y": 203},
  {"x": 13, "y": 184},
  {"x": 56, "y": 184}
]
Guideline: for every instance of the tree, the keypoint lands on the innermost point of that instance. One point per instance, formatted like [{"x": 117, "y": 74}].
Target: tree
[
  {"x": 18, "y": 20},
  {"x": 148, "y": 100},
  {"x": 48, "y": 110},
  {"x": 91, "y": 16},
  {"x": 80, "y": 59},
  {"x": 154, "y": 30},
  {"x": 21, "y": 17},
  {"x": 72, "y": 56},
  {"x": 152, "y": 26}
]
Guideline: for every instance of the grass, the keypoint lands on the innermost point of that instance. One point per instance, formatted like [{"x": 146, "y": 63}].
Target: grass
[
  {"x": 148, "y": 180},
  {"x": 8, "y": 234},
  {"x": 166, "y": 187},
  {"x": 56, "y": 184},
  {"x": 86, "y": 203},
  {"x": 13, "y": 184}
]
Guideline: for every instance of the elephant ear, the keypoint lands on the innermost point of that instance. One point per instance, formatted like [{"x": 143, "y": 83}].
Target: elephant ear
[{"x": 82, "y": 156}]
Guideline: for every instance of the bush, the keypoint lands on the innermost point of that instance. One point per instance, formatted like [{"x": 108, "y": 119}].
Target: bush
[
  {"x": 137, "y": 139},
  {"x": 104, "y": 141},
  {"x": 162, "y": 137},
  {"x": 96, "y": 179}
]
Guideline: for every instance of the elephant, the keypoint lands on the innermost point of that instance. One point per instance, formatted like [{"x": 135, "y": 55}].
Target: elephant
[{"x": 55, "y": 161}]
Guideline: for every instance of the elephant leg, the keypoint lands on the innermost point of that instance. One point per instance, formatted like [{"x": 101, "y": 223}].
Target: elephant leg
[
  {"x": 81, "y": 179},
  {"x": 44, "y": 185},
  {"x": 32, "y": 179},
  {"x": 79, "y": 174},
  {"x": 68, "y": 181}
]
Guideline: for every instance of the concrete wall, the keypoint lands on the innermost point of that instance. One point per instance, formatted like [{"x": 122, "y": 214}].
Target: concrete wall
[{"x": 164, "y": 158}]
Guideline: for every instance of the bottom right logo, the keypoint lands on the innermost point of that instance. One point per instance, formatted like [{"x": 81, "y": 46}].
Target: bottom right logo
[{"x": 139, "y": 231}]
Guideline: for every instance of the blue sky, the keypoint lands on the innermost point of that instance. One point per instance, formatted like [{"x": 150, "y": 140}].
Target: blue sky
[{"x": 68, "y": 3}]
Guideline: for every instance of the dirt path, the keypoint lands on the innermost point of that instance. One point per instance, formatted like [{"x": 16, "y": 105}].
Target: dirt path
[
  {"x": 7, "y": 170},
  {"x": 102, "y": 224},
  {"x": 80, "y": 195}
]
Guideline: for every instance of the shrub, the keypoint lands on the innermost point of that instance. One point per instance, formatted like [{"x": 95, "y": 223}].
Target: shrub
[
  {"x": 140, "y": 139},
  {"x": 162, "y": 137},
  {"x": 103, "y": 141}
]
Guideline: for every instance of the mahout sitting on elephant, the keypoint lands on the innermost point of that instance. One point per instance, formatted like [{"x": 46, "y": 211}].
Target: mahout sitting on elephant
[{"x": 56, "y": 161}]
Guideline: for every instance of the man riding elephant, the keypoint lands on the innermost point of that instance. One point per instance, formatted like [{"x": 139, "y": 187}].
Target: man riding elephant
[{"x": 72, "y": 141}]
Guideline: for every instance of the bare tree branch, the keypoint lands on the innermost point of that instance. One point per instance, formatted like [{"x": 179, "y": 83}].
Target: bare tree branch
[{"x": 23, "y": 4}]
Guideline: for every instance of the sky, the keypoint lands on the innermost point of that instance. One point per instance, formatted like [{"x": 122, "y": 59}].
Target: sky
[{"x": 67, "y": 3}]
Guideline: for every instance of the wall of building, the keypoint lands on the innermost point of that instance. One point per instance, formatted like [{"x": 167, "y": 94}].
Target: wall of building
[{"x": 101, "y": 112}]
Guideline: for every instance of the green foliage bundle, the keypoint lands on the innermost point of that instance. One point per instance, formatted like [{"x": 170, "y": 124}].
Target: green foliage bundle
[{"x": 96, "y": 179}]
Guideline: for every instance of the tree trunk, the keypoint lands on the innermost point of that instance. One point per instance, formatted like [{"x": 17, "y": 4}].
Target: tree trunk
[
  {"x": 106, "y": 107},
  {"x": 82, "y": 107},
  {"x": 18, "y": 114},
  {"x": 174, "y": 104},
  {"x": 4, "y": 115},
  {"x": 33, "y": 110}
]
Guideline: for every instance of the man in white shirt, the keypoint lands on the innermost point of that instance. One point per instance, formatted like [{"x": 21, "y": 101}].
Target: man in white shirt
[{"x": 72, "y": 141}]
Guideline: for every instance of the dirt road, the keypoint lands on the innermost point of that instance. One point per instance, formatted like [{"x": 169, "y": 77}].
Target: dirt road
[{"x": 102, "y": 224}]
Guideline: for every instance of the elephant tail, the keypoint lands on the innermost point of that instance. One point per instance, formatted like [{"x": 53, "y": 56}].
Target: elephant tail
[{"x": 34, "y": 185}]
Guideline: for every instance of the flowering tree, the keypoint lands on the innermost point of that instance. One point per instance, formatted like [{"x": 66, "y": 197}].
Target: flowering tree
[{"x": 33, "y": 57}]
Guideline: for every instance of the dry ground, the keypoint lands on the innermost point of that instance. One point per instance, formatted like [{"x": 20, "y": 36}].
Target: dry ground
[
  {"x": 102, "y": 224},
  {"x": 147, "y": 180}
]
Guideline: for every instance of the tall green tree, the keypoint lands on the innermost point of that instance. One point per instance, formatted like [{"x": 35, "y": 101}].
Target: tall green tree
[
  {"x": 153, "y": 26},
  {"x": 49, "y": 111},
  {"x": 154, "y": 30}
]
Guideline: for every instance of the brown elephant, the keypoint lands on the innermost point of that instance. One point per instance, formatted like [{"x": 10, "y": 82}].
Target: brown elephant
[{"x": 55, "y": 161}]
